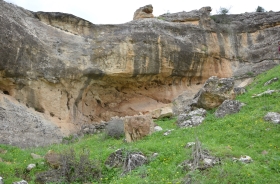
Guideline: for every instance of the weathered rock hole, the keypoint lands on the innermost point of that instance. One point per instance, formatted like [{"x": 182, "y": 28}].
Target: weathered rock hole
[
  {"x": 52, "y": 114},
  {"x": 41, "y": 110},
  {"x": 6, "y": 92}
]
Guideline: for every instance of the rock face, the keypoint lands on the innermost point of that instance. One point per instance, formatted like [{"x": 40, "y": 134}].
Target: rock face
[
  {"x": 137, "y": 127},
  {"x": 144, "y": 12},
  {"x": 228, "y": 107},
  {"x": 80, "y": 73},
  {"x": 214, "y": 92},
  {"x": 24, "y": 127}
]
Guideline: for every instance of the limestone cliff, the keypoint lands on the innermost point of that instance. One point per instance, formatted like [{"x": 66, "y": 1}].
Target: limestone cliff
[{"x": 77, "y": 72}]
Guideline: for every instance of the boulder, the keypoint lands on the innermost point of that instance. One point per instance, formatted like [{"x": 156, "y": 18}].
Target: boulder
[
  {"x": 137, "y": 127},
  {"x": 214, "y": 92},
  {"x": 129, "y": 160},
  {"x": 228, "y": 107},
  {"x": 30, "y": 167},
  {"x": 273, "y": 117},
  {"x": 192, "y": 118},
  {"x": 144, "y": 12},
  {"x": 115, "y": 159},
  {"x": 162, "y": 112}
]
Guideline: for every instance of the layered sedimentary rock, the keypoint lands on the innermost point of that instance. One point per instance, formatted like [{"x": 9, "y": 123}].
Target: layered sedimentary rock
[{"x": 79, "y": 73}]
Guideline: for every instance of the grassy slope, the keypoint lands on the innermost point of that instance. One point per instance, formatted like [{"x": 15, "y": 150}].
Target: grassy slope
[{"x": 245, "y": 133}]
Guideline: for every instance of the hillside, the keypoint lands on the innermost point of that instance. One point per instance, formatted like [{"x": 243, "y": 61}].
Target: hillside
[{"x": 243, "y": 133}]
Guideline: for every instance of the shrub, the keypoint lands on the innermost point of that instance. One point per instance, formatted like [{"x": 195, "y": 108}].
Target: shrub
[
  {"x": 115, "y": 128},
  {"x": 260, "y": 9},
  {"x": 223, "y": 11},
  {"x": 72, "y": 169}
]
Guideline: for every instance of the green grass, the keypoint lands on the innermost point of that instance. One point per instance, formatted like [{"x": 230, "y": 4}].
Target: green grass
[{"x": 244, "y": 133}]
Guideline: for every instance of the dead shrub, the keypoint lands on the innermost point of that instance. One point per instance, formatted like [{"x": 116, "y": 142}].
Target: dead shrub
[
  {"x": 73, "y": 168},
  {"x": 115, "y": 129}
]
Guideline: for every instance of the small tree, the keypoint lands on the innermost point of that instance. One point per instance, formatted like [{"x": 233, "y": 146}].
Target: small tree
[
  {"x": 260, "y": 9},
  {"x": 223, "y": 11}
]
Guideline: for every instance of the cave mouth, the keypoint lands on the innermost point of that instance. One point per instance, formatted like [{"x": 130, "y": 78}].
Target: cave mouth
[{"x": 6, "y": 92}]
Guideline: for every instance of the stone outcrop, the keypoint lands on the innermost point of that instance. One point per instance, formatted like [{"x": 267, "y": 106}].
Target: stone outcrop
[
  {"x": 214, "y": 92},
  {"x": 137, "y": 127},
  {"x": 228, "y": 107},
  {"x": 144, "y": 12},
  {"x": 79, "y": 73},
  {"x": 192, "y": 17},
  {"x": 24, "y": 127}
]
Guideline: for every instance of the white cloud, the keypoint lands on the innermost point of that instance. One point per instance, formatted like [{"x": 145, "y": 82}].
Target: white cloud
[{"x": 121, "y": 11}]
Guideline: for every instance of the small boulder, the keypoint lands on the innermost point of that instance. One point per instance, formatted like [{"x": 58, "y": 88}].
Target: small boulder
[
  {"x": 192, "y": 118},
  {"x": 214, "y": 92},
  {"x": 271, "y": 81},
  {"x": 162, "y": 112},
  {"x": 126, "y": 159},
  {"x": 228, "y": 107},
  {"x": 157, "y": 129},
  {"x": 20, "y": 182},
  {"x": 115, "y": 159},
  {"x": 35, "y": 156},
  {"x": 53, "y": 159},
  {"x": 273, "y": 117},
  {"x": 244, "y": 159},
  {"x": 30, "y": 167},
  {"x": 137, "y": 127},
  {"x": 1, "y": 180},
  {"x": 144, "y": 12},
  {"x": 190, "y": 144}
]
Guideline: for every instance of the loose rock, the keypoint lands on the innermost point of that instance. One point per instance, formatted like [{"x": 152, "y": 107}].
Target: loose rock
[
  {"x": 245, "y": 159},
  {"x": 157, "y": 128},
  {"x": 228, "y": 107},
  {"x": 267, "y": 92},
  {"x": 273, "y": 117},
  {"x": 35, "y": 156},
  {"x": 20, "y": 182},
  {"x": 192, "y": 118},
  {"x": 271, "y": 81},
  {"x": 30, "y": 167}
]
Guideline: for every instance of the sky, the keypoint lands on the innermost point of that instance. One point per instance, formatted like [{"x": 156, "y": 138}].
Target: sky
[{"x": 121, "y": 11}]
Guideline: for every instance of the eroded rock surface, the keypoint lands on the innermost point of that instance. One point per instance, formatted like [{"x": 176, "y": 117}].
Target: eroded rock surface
[
  {"x": 24, "y": 127},
  {"x": 80, "y": 73},
  {"x": 144, "y": 12}
]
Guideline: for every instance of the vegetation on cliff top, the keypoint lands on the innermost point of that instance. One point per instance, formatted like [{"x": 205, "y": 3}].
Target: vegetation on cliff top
[{"x": 244, "y": 133}]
